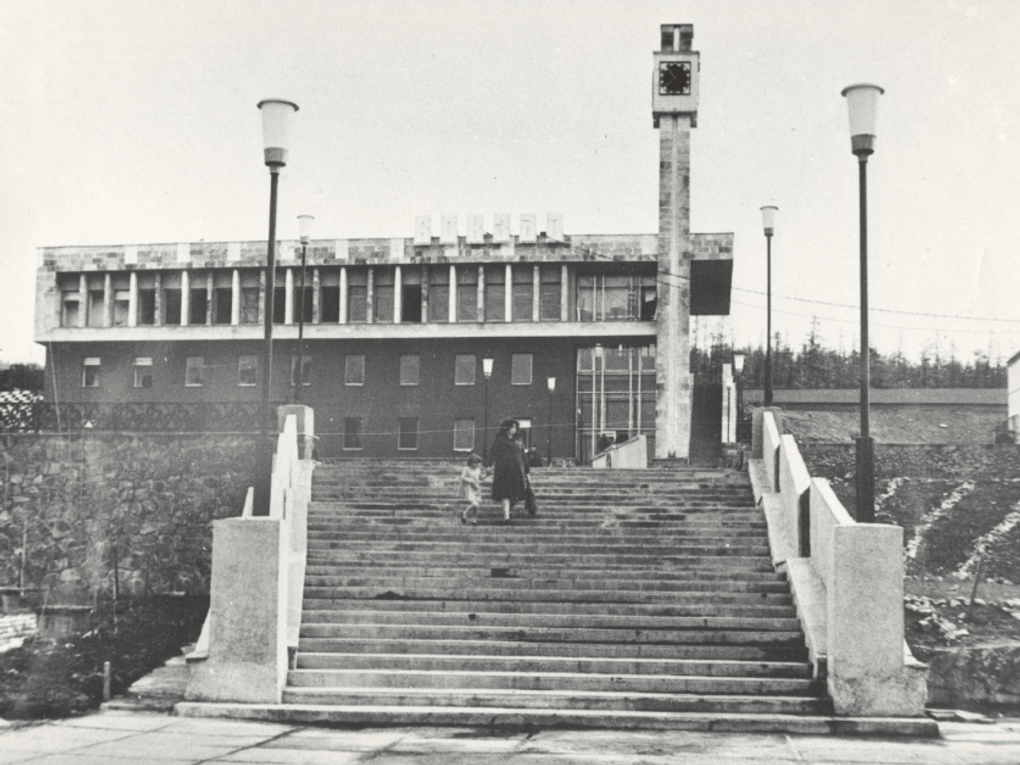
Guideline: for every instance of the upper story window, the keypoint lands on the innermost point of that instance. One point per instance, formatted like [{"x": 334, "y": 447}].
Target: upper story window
[
  {"x": 357, "y": 295},
  {"x": 550, "y": 294},
  {"x": 495, "y": 293},
  {"x": 90, "y": 372},
  {"x": 520, "y": 369},
  {"x": 69, "y": 309},
  {"x": 306, "y": 370},
  {"x": 198, "y": 304},
  {"x": 223, "y": 304},
  {"x": 464, "y": 369},
  {"x": 383, "y": 280},
  {"x": 439, "y": 294},
  {"x": 121, "y": 307},
  {"x": 143, "y": 372},
  {"x": 467, "y": 293},
  {"x": 194, "y": 372},
  {"x": 354, "y": 370},
  {"x": 97, "y": 307},
  {"x": 172, "y": 307},
  {"x": 409, "y": 370},
  {"x": 247, "y": 371},
  {"x": 249, "y": 305},
  {"x": 523, "y": 293},
  {"x": 147, "y": 307},
  {"x": 615, "y": 297}
]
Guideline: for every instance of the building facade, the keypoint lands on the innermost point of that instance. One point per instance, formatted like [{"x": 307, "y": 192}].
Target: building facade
[{"x": 396, "y": 331}]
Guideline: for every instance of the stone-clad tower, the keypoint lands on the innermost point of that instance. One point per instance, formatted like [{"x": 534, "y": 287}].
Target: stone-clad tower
[{"x": 675, "y": 112}]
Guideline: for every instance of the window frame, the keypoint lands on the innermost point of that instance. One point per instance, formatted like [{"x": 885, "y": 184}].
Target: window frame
[
  {"x": 401, "y": 432},
  {"x": 353, "y": 435},
  {"x": 349, "y": 370},
  {"x": 189, "y": 366},
  {"x": 142, "y": 362},
  {"x": 457, "y": 367},
  {"x": 405, "y": 360},
  {"x": 515, "y": 379},
  {"x": 462, "y": 426},
  {"x": 306, "y": 370},
  {"x": 90, "y": 378},
  {"x": 252, "y": 366}
]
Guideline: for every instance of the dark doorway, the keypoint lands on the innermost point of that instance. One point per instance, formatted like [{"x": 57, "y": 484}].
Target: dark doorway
[{"x": 706, "y": 425}]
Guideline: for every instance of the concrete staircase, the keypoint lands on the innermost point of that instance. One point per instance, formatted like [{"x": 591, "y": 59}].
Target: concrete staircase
[{"x": 634, "y": 599}]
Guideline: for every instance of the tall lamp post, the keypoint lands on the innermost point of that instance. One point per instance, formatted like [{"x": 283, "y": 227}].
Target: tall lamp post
[
  {"x": 304, "y": 230},
  {"x": 551, "y": 382},
  {"x": 275, "y": 115},
  {"x": 768, "y": 219},
  {"x": 862, "y": 101},
  {"x": 738, "y": 368},
  {"x": 486, "y": 373}
]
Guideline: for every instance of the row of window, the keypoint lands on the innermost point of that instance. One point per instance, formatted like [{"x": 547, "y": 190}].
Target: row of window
[
  {"x": 197, "y": 373},
  {"x": 370, "y": 297},
  {"x": 407, "y": 434}
]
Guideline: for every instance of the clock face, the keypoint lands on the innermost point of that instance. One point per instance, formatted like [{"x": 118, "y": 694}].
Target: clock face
[{"x": 675, "y": 78}]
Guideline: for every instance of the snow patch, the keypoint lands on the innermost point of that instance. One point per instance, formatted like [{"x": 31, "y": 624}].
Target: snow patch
[{"x": 947, "y": 505}]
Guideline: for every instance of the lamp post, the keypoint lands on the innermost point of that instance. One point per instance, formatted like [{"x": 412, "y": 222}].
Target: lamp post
[
  {"x": 486, "y": 373},
  {"x": 862, "y": 101},
  {"x": 275, "y": 115},
  {"x": 768, "y": 219},
  {"x": 551, "y": 382},
  {"x": 305, "y": 230},
  {"x": 738, "y": 368}
]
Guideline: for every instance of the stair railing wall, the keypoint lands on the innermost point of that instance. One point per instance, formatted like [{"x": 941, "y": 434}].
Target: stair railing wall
[
  {"x": 631, "y": 454},
  {"x": 848, "y": 587},
  {"x": 257, "y": 581}
]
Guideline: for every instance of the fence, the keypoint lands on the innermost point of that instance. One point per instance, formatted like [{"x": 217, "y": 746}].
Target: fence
[{"x": 150, "y": 417}]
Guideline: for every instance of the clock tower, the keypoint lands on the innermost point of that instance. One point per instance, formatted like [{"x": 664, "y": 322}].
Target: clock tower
[{"x": 674, "y": 112}]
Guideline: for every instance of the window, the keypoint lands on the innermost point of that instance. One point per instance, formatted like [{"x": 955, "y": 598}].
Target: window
[
  {"x": 586, "y": 298},
  {"x": 194, "y": 372},
  {"x": 410, "y": 303},
  {"x": 549, "y": 293},
  {"x": 617, "y": 298},
  {"x": 69, "y": 315},
  {"x": 305, "y": 307},
  {"x": 97, "y": 305},
  {"x": 143, "y": 372},
  {"x": 464, "y": 370},
  {"x": 649, "y": 301},
  {"x": 439, "y": 294},
  {"x": 172, "y": 307},
  {"x": 407, "y": 440},
  {"x": 329, "y": 308},
  {"x": 249, "y": 305},
  {"x": 147, "y": 307},
  {"x": 409, "y": 369},
  {"x": 382, "y": 297},
  {"x": 247, "y": 370},
  {"x": 197, "y": 307},
  {"x": 306, "y": 370},
  {"x": 121, "y": 308},
  {"x": 352, "y": 433},
  {"x": 90, "y": 372},
  {"x": 223, "y": 298},
  {"x": 467, "y": 294},
  {"x": 464, "y": 435},
  {"x": 495, "y": 293},
  {"x": 357, "y": 296},
  {"x": 520, "y": 369},
  {"x": 279, "y": 305},
  {"x": 523, "y": 293},
  {"x": 354, "y": 370}
]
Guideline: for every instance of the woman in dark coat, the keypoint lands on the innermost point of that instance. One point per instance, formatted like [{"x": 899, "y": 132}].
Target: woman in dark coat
[{"x": 509, "y": 467}]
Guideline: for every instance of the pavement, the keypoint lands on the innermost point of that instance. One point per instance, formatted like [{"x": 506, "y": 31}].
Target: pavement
[{"x": 118, "y": 736}]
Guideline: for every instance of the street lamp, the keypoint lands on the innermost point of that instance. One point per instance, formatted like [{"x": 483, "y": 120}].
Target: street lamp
[
  {"x": 738, "y": 368},
  {"x": 862, "y": 101},
  {"x": 275, "y": 114},
  {"x": 768, "y": 219},
  {"x": 486, "y": 373},
  {"x": 305, "y": 230},
  {"x": 551, "y": 382}
]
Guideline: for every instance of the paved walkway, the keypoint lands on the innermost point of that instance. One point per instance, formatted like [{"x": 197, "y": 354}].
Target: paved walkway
[{"x": 112, "y": 737}]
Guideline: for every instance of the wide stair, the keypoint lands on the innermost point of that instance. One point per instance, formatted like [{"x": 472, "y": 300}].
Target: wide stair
[{"x": 633, "y": 599}]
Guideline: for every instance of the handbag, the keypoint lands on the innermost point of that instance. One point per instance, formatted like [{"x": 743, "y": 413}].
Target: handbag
[{"x": 530, "y": 503}]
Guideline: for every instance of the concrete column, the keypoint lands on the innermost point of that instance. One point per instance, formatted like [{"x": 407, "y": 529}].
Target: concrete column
[
  {"x": 158, "y": 318},
  {"x": 343, "y": 294},
  {"x": 453, "y": 293},
  {"x": 210, "y": 294},
  {"x": 508, "y": 294},
  {"x": 107, "y": 300},
  {"x": 370, "y": 298},
  {"x": 185, "y": 297},
  {"x": 480, "y": 315},
  {"x": 564, "y": 293},
  {"x": 398, "y": 298},
  {"x": 83, "y": 300},
  {"x": 262, "y": 296},
  {"x": 133, "y": 299},
  {"x": 316, "y": 297},
  {"x": 536, "y": 292},
  {"x": 288, "y": 298},
  {"x": 235, "y": 297},
  {"x": 672, "y": 362}
]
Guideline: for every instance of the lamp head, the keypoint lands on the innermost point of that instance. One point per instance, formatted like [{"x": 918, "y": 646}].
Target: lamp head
[
  {"x": 305, "y": 227},
  {"x": 551, "y": 382},
  {"x": 862, "y": 102},
  {"x": 738, "y": 362},
  {"x": 487, "y": 367},
  {"x": 275, "y": 115},
  {"x": 768, "y": 218}
]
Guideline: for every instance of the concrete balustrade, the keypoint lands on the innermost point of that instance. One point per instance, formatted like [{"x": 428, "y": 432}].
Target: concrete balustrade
[
  {"x": 847, "y": 582},
  {"x": 631, "y": 454},
  {"x": 257, "y": 582}
]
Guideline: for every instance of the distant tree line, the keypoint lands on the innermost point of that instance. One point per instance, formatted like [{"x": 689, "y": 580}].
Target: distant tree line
[
  {"x": 814, "y": 366},
  {"x": 22, "y": 377}
]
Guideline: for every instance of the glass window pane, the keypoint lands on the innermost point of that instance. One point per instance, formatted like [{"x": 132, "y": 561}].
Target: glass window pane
[
  {"x": 90, "y": 373},
  {"x": 439, "y": 303},
  {"x": 464, "y": 370},
  {"x": 247, "y": 370},
  {"x": 467, "y": 302},
  {"x": 520, "y": 369},
  {"x": 383, "y": 304},
  {"x": 69, "y": 318},
  {"x": 194, "y": 371},
  {"x": 354, "y": 370},
  {"x": 522, "y": 301},
  {"x": 352, "y": 433},
  {"x": 249, "y": 305},
  {"x": 357, "y": 304},
  {"x": 96, "y": 305},
  {"x": 464, "y": 435},
  {"x": 172, "y": 307},
  {"x": 409, "y": 370},
  {"x": 495, "y": 302},
  {"x": 306, "y": 370},
  {"x": 408, "y": 435},
  {"x": 143, "y": 373}
]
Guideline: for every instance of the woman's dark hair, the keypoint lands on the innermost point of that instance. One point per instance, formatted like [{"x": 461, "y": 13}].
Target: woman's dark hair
[{"x": 504, "y": 427}]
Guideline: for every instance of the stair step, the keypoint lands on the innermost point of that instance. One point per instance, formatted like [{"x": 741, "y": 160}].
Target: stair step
[{"x": 452, "y": 569}]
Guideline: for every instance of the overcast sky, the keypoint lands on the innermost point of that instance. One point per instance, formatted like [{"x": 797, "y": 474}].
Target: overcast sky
[{"x": 136, "y": 122}]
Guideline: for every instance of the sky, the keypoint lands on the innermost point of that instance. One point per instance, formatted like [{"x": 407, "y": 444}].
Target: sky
[{"x": 125, "y": 123}]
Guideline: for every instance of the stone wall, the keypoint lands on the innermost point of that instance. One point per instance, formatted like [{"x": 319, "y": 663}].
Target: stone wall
[{"x": 79, "y": 503}]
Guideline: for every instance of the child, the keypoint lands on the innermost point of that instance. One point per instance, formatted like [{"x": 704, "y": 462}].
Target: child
[{"x": 471, "y": 488}]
